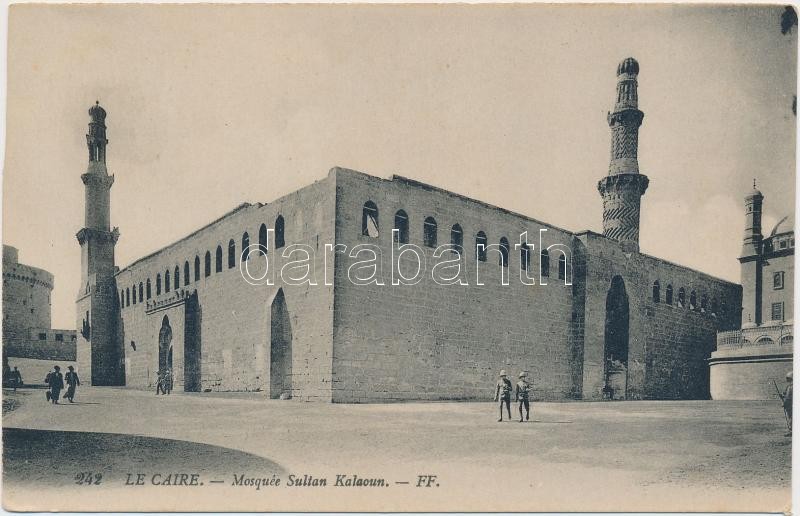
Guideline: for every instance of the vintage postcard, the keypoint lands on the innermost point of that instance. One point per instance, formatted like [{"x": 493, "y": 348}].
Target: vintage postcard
[{"x": 518, "y": 257}]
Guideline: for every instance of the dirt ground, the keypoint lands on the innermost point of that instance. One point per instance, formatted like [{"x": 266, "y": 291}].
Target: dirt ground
[{"x": 614, "y": 456}]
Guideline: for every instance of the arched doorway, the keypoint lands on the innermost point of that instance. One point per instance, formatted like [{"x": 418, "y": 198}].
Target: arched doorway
[
  {"x": 616, "y": 341},
  {"x": 165, "y": 345},
  {"x": 280, "y": 355}
]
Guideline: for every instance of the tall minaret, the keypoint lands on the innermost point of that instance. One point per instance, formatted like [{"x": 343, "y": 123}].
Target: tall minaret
[
  {"x": 99, "y": 355},
  {"x": 750, "y": 259},
  {"x": 624, "y": 186}
]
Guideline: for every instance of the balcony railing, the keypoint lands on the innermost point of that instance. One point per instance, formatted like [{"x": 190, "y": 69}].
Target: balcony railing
[{"x": 777, "y": 334}]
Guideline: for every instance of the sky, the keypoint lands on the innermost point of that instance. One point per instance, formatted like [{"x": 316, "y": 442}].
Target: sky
[{"x": 212, "y": 106}]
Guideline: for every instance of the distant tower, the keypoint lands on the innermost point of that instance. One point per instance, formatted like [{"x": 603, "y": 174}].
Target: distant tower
[
  {"x": 624, "y": 186},
  {"x": 98, "y": 353},
  {"x": 750, "y": 258}
]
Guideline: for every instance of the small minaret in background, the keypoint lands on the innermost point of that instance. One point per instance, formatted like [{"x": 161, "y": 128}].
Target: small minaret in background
[
  {"x": 624, "y": 186},
  {"x": 99, "y": 356},
  {"x": 750, "y": 259}
]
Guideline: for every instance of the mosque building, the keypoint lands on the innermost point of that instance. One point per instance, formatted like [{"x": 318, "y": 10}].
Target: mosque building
[{"x": 588, "y": 315}]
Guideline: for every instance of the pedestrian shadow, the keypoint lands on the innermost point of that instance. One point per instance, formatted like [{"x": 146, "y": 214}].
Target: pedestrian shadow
[
  {"x": 550, "y": 422},
  {"x": 68, "y": 404}
]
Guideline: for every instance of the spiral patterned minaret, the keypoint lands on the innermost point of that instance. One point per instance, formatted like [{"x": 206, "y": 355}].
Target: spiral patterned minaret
[{"x": 624, "y": 186}]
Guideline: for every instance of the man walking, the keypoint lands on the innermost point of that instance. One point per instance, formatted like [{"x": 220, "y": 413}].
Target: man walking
[
  {"x": 55, "y": 381},
  {"x": 787, "y": 402},
  {"x": 72, "y": 383},
  {"x": 16, "y": 378},
  {"x": 503, "y": 393},
  {"x": 522, "y": 396}
]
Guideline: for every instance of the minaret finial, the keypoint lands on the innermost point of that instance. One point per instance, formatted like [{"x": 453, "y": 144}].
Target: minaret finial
[{"x": 754, "y": 184}]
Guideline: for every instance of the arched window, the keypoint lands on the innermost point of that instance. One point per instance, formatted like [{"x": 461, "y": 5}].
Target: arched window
[
  {"x": 231, "y": 254},
  {"x": 207, "y": 264},
  {"x": 127, "y": 297},
  {"x": 197, "y": 268},
  {"x": 369, "y": 220},
  {"x": 158, "y": 284},
  {"x": 544, "y": 263},
  {"x": 504, "y": 249},
  {"x": 703, "y": 303},
  {"x": 141, "y": 292},
  {"x": 480, "y": 246},
  {"x": 218, "y": 261},
  {"x": 681, "y": 297},
  {"x": 122, "y": 298},
  {"x": 245, "y": 246},
  {"x": 166, "y": 281},
  {"x": 185, "y": 273},
  {"x": 280, "y": 240},
  {"x": 456, "y": 238},
  {"x": 693, "y": 301},
  {"x": 177, "y": 277},
  {"x": 656, "y": 292},
  {"x": 401, "y": 225},
  {"x": 562, "y": 267},
  {"x": 262, "y": 239},
  {"x": 525, "y": 256},
  {"x": 668, "y": 298},
  {"x": 149, "y": 292},
  {"x": 429, "y": 232},
  {"x": 134, "y": 294}
]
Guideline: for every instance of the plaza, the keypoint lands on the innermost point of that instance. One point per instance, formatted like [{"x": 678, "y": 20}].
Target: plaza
[{"x": 620, "y": 456}]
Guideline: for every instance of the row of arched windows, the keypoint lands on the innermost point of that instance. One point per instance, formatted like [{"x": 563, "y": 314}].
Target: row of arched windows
[
  {"x": 430, "y": 238},
  {"x": 145, "y": 290},
  {"x": 704, "y": 306}
]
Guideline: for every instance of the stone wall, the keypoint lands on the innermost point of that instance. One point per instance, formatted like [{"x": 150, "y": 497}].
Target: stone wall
[
  {"x": 433, "y": 342},
  {"x": 26, "y": 297},
  {"x": 747, "y": 373},
  {"x": 669, "y": 344},
  {"x": 56, "y": 345},
  {"x": 232, "y": 317}
]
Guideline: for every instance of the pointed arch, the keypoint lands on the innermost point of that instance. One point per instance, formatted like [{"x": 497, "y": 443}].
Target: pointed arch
[
  {"x": 279, "y": 232},
  {"x": 207, "y": 271},
  {"x": 245, "y": 246},
  {"x": 177, "y": 277},
  {"x": 656, "y": 292},
  {"x": 196, "y": 268},
  {"x": 544, "y": 263},
  {"x": 262, "y": 239},
  {"x": 218, "y": 259},
  {"x": 504, "y": 252},
  {"x": 369, "y": 220},
  {"x": 158, "y": 284},
  {"x": 480, "y": 246},
  {"x": 429, "y": 232},
  {"x": 166, "y": 281},
  {"x": 149, "y": 290},
  {"x": 231, "y": 254},
  {"x": 456, "y": 237},
  {"x": 401, "y": 225},
  {"x": 668, "y": 297},
  {"x": 186, "y": 273}
]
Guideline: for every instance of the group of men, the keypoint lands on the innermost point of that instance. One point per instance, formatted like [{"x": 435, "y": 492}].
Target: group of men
[
  {"x": 55, "y": 383},
  {"x": 521, "y": 395}
]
